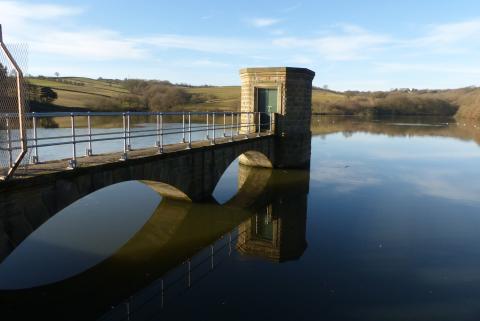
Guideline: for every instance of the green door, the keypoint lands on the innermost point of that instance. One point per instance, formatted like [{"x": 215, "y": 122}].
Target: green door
[{"x": 267, "y": 103}]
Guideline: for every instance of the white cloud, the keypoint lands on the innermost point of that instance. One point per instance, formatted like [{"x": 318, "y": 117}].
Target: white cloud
[
  {"x": 41, "y": 26},
  {"x": 352, "y": 43},
  {"x": 14, "y": 11},
  {"x": 204, "y": 44},
  {"x": 88, "y": 45},
  {"x": 444, "y": 184},
  {"x": 451, "y": 33},
  {"x": 345, "y": 177},
  {"x": 263, "y": 22}
]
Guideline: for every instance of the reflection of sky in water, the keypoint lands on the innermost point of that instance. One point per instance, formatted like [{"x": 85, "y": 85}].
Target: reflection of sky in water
[
  {"x": 430, "y": 166},
  {"x": 80, "y": 236},
  {"x": 393, "y": 226},
  {"x": 227, "y": 186}
]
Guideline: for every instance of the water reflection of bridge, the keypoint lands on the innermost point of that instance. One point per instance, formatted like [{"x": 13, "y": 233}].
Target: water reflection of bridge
[{"x": 173, "y": 235}]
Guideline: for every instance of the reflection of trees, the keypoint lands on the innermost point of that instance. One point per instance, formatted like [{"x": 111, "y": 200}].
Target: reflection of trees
[{"x": 398, "y": 126}]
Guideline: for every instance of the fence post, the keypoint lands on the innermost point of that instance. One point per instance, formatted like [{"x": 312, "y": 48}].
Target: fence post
[
  {"x": 89, "y": 125},
  {"x": 35, "y": 140},
  {"x": 21, "y": 109},
  {"x": 72, "y": 164}
]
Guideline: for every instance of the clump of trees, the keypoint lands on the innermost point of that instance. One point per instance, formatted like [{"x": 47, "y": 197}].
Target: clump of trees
[
  {"x": 396, "y": 102},
  {"x": 162, "y": 95}
]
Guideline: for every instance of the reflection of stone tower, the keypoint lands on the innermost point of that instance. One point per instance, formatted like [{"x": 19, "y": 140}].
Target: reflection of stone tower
[
  {"x": 287, "y": 93},
  {"x": 277, "y": 230}
]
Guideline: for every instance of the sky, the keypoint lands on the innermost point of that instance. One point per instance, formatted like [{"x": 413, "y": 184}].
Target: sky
[{"x": 350, "y": 44}]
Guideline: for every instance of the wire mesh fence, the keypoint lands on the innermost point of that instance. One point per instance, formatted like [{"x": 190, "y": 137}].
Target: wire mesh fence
[{"x": 13, "y": 105}]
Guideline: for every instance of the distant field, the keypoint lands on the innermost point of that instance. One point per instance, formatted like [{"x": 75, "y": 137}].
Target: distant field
[
  {"x": 222, "y": 98},
  {"x": 70, "y": 95},
  {"x": 80, "y": 92}
]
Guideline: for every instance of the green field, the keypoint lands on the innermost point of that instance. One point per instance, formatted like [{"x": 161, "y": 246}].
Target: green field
[
  {"x": 83, "y": 93},
  {"x": 70, "y": 95},
  {"x": 222, "y": 98}
]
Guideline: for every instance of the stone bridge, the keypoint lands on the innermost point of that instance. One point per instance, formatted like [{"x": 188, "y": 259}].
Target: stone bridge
[{"x": 178, "y": 172}]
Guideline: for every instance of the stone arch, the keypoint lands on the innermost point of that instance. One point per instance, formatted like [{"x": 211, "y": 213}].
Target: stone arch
[
  {"x": 254, "y": 172},
  {"x": 167, "y": 190},
  {"x": 255, "y": 159}
]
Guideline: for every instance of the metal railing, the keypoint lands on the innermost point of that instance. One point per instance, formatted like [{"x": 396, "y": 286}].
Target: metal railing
[
  {"x": 186, "y": 126},
  {"x": 149, "y": 301}
]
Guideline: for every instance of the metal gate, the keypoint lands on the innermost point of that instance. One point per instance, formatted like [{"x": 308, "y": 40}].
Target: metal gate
[{"x": 13, "y": 133}]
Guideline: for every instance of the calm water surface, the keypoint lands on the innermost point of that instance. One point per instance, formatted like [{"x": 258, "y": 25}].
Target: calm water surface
[{"x": 384, "y": 226}]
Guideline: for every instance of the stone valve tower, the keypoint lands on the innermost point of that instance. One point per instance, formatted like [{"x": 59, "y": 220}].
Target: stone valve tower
[{"x": 286, "y": 93}]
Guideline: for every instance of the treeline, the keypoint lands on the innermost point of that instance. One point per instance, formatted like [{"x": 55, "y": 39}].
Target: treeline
[
  {"x": 153, "y": 95},
  {"x": 386, "y": 103}
]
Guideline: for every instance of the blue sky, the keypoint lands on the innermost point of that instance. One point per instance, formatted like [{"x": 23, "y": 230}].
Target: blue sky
[{"x": 363, "y": 45}]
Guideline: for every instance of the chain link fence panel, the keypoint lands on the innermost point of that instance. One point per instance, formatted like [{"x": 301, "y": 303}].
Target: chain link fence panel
[{"x": 13, "y": 93}]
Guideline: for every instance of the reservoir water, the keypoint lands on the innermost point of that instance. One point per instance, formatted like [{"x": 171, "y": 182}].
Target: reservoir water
[{"x": 384, "y": 226}]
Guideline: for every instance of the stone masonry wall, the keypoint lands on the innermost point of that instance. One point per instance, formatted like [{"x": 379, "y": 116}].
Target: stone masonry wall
[{"x": 292, "y": 122}]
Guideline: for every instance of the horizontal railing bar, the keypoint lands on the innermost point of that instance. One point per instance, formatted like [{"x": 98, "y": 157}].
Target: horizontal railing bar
[
  {"x": 166, "y": 131},
  {"x": 118, "y": 138},
  {"x": 131, "y": 113}
]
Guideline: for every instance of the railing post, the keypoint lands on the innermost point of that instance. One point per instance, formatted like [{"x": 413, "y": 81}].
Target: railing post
[
  {"x": 183, "y": 127},
  {"x": 231, "y": 127},
  {"x": 271, "y": 120},
  {"x": 72, "y": 164},
  {"x": 157, "y": 141},
  {"x": 238, "y": 123},
  {"x": 213, "y": 125},
  {"x": 189, "y": 131},
  {"x": 89, "y": 125},
  {"x": 248, "y": 125},
  {"x": 189, "y": 269},
  {"x": 211, "y": 256},
  {"x": 224, "y": 124},
  {"x": 229, "y": 244},
  {"x": 259, "y": 123},
  {"x": 163, "y": 293},
  {"x": 129, "y": 146},
  {"x": 9, "y": 143},
  {"x": 208, "y": 129},
  {"x": 35, "y": 140},
  {"x": 160, "y": 146},
  {"x": 125, "y": 147},
  {"x": 127, "y": 307}
]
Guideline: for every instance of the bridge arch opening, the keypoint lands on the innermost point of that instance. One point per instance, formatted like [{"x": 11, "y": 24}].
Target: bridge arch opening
[
  {"x": 167, "y": 190},
  {"x": 238, "y": 177}
]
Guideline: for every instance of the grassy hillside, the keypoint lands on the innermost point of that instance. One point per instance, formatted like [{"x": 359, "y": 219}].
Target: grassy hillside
[
  {"x": 79, "y": 92},
  {"x": 89, "y": 94}
]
